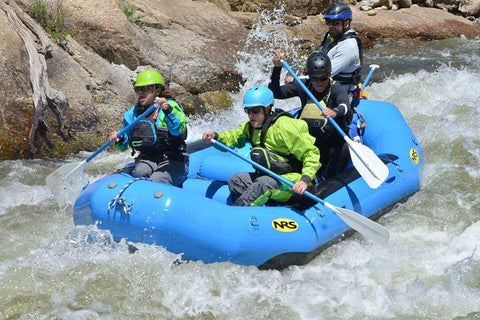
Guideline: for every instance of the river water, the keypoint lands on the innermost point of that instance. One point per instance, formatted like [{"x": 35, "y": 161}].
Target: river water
[{"x": 429, "y": 270}]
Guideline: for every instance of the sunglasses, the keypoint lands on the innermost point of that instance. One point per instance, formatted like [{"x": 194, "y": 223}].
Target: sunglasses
[
  {"x": 254, "y": 110},
  {"x": 333, "y": 22},
  {"x": 315, "y": 79},
  {"x": 143, "y": 89}
]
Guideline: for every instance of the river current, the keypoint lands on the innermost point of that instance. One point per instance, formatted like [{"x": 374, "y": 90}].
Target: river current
[{"x": 429, "y": 270}]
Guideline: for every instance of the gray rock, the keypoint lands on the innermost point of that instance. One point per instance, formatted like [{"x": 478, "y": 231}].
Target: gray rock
[{"x": 194, "y": 44}]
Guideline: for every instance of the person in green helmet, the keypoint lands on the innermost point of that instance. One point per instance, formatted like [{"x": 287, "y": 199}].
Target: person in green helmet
[
  {"x": 159, "y": 138},
  {"x": 280, "y": 143}
]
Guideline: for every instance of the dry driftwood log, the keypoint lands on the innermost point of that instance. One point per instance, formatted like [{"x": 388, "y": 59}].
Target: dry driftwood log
[{"x": 44, "y": 97}]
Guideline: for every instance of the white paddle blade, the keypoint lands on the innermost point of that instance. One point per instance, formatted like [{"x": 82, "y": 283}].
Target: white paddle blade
[
  {"x": 69, "y": 171},
  {"x": 66, "y": 182},
  {"x": 368, "y": 228},
  {"x": 367, "y": 163}
]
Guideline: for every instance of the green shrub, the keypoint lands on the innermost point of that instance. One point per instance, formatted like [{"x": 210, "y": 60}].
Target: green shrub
[
  {"x": 129, "y": 13},
  {"x": 51, "y": 16}
]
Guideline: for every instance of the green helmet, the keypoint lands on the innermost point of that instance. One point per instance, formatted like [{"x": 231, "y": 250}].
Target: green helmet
[{"x": 148, "y": 77}]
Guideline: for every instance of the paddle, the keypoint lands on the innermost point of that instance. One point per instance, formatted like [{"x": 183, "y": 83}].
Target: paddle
[
  {"x": 74, "y": 170},
  {"x": 367, "y": 163},
  {"x": 356, "y": 221},
  {"x": 369, "y": 75}
]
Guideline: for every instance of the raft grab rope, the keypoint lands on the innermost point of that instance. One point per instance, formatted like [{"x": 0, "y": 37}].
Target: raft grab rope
[{"x": 120, "y": 200}]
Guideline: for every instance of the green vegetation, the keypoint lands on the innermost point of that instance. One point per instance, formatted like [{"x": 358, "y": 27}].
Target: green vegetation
[
  {"x": 51, "y": 16},
  {"x": 129, "y": 13}
]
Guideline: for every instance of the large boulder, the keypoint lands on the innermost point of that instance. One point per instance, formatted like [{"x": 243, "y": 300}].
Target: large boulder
[
  {"x": 409, "y": 24},
  {"x": 470, "y": 8},
  {"x": 303, "y": 8},
  {"x": 193, "y": 44},
  {"x": 300, "y": 8},
  {"x": 412, "y": 24},
  {"x": 81, "y": 84},
  {"x": 15, "y": 89},
  {"x": 190, "y": 43}
]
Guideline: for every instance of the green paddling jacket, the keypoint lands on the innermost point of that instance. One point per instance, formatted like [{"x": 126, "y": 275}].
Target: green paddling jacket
[{"x": 286, "y": 136}]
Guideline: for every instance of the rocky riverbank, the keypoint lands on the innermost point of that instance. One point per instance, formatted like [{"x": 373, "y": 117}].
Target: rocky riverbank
[{"x": 65, "y": 89}]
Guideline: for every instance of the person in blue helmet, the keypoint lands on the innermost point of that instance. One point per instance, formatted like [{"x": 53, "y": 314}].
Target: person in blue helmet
[
  {"x": 343, "y": 46},
  {"x": 280, "y": 143},
  {"x": 159, "y": 139}
]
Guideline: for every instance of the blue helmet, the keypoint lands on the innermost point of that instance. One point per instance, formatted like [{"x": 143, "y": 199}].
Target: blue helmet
[
  {"x": 338, "y": 11},
  {"x": 258, "y": 96}
]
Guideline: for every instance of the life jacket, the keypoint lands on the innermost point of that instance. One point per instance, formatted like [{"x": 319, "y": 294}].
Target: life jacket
[
  {"x": 311, "y": 110},
  {"x": 158, "y": 143},
  {"x": 318, "y": 125},
  {"x": 273, "y": 160},
  {"x": 327, "y": 45}
]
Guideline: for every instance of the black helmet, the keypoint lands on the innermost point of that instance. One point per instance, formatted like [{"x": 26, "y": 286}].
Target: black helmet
[
  {"x": 338, "y": 10},
  {"x": 318, "y": 63}
]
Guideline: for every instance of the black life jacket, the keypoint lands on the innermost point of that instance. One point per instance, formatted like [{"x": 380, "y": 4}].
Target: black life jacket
[
  {"x": 345, "y": 78},
  {"x": 318, "y": 126},
  {"x": 275, "y": 161},
  {"x": 157, "y": 143}
]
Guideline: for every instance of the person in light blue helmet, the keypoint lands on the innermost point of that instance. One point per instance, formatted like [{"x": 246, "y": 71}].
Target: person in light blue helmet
[{"x": 280, "y": 143}]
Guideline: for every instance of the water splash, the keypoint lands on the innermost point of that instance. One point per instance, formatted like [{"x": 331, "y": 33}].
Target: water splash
[{"x": 255, "y": 64}]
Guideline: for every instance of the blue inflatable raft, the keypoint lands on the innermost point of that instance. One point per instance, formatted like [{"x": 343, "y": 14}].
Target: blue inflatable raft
[{"x": 198, "y": 221}]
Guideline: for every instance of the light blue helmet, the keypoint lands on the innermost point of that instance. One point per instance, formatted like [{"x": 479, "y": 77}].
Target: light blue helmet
[{"x": 258, "y": 96}]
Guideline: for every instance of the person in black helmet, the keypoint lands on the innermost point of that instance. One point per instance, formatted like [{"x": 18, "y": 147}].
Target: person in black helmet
[
  {"x": 334, "y": 99},
  {"x": 343, "y": 47}
]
